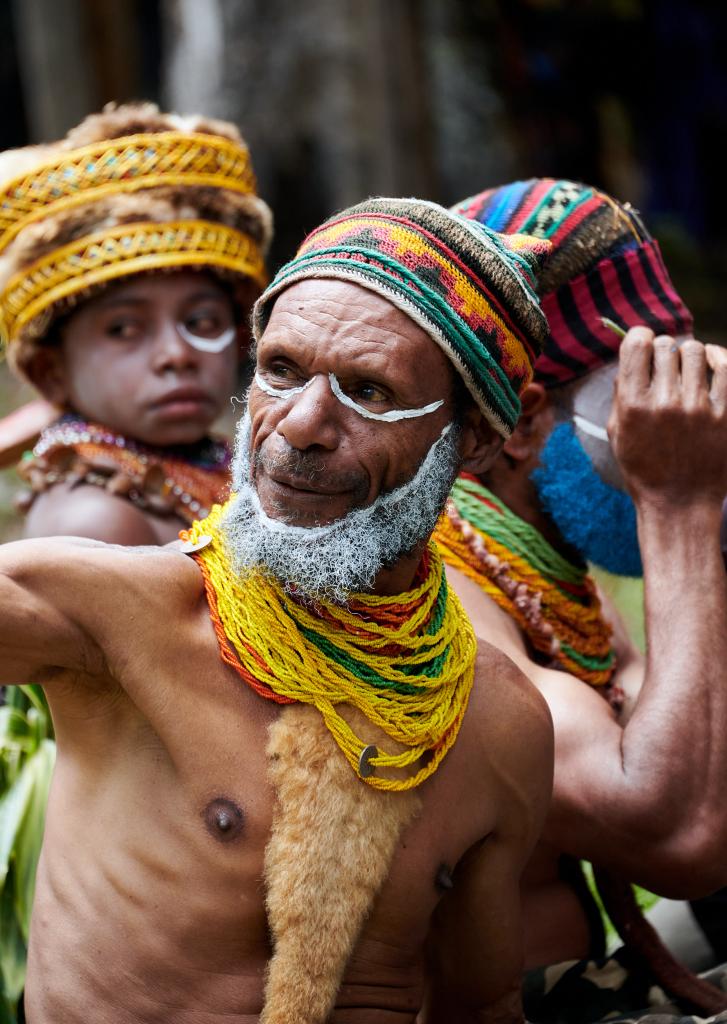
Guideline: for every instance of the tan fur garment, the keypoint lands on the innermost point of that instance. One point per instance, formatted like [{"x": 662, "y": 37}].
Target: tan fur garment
[{"x": 332, "y": 842}]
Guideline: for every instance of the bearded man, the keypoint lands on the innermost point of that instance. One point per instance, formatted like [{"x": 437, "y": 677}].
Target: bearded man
[
  {"x": 640, "y": 755},
  {"x": 256, "y": 730}
]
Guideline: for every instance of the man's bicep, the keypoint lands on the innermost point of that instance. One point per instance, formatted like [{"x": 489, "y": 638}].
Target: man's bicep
[
  {"x": 592, "y": 809},
  {"x": 37, "y": 633}
]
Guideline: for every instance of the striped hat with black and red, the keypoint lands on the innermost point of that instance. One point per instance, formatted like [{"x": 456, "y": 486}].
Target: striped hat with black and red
[{"x": 603, "y": 263}]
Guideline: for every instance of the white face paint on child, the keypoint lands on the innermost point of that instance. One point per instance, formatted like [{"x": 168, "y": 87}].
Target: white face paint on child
[
  {"x": 202, "y": 344},
  {"x": 386, "y": 417}
]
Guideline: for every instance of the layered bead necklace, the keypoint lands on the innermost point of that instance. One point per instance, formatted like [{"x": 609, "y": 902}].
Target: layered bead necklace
[
  {"x": 554, "y": 602},
  {"x": 405, "y": 662},
  {"x": 185, "y": 482}
]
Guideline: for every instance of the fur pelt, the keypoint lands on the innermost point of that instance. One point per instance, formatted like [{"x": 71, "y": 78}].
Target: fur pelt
[
  {"x": 133, "y": 118},
  {"x": 329, "y": 853}
]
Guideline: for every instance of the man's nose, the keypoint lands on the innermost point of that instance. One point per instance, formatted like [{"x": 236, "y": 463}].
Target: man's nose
[
  {"x": 311, "y": 418},
  {"x": 171, "y": 351}
]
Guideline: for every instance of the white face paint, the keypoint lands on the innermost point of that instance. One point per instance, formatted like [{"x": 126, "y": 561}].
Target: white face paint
[
  {"x": 592, "y": 429},
  {"x": 218, "y": 344},
  {"x": 385, "y": 417}
]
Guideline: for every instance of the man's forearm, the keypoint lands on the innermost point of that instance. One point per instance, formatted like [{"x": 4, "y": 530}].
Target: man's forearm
[{"x": 673, "y": 749}]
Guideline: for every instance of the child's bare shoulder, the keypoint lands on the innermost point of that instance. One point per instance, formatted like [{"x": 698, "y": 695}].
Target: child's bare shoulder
[{"x": 88, "y": 511}]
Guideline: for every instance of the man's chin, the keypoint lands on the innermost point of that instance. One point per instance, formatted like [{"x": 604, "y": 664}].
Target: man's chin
[{"x": 306, "y": 509}]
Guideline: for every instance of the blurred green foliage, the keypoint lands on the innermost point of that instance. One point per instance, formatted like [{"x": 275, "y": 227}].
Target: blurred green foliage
[{"x": 27, "y": 756}]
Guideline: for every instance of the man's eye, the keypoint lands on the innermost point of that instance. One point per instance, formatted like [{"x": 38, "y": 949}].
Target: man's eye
[
  {"x": 283, "y": 376},
  {"x": 368, "y": 393}
]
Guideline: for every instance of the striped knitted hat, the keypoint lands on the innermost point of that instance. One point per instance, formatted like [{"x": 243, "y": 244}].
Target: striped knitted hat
[
  {"x": 469, "y": 288},
  {"x": 604, "y": 263}
]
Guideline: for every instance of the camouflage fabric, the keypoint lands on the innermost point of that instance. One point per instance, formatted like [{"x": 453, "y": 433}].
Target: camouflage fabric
[{"x": 615, "y": 989}]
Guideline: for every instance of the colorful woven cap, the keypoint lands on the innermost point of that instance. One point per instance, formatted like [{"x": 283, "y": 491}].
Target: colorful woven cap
[
  {"x": 469, "y": 288},
  {"x": 603, "y": 263}
]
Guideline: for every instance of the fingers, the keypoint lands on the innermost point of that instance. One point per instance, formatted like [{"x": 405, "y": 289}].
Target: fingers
[
  {"x": 665, "y": 376},
  {"x": 693, "y": 358},
  {"x": 716, "y": 358},
  {"x": 635, "y": 357},
  {"x": 670, "y": 371}
]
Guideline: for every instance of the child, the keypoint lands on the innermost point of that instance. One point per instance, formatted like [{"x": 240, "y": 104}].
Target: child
[{"x": 130, "y": 255}]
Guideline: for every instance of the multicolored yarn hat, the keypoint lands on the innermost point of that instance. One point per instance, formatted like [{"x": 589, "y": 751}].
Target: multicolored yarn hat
[
  {"x": 129, "y": 190},
  {"x": 604, "y": 263},
  {"x": 469, "y": 288}
]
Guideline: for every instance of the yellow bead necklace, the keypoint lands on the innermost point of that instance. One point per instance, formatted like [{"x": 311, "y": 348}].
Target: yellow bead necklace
[{"x": 406, "y": 662}]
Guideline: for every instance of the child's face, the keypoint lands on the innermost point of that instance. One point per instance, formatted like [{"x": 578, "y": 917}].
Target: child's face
[{"x": 133, "y": 358}]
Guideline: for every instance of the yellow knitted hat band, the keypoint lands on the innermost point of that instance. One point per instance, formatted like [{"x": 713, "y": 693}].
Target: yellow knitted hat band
[
  {"x": 78, "y": 179},
  {"x": 118, "y": 252},
  {"x": 115, "y": 166}
]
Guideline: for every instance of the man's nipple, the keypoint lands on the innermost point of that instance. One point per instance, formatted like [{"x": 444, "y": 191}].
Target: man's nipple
[{"x": 224, "y": 819}]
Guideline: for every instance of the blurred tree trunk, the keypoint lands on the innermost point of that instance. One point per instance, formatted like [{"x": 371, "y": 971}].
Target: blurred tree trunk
[
  {"x": 53, "y": 64},
  {"x": 332, "y": 99},
  {"x": 73, "y": 56}
]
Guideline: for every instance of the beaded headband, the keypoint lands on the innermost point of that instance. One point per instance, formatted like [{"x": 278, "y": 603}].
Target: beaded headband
[{"x": 75, "y": 186}]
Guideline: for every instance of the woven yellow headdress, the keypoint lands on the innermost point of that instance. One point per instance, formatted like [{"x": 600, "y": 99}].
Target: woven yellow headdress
[{"x": 129, "y": 190}]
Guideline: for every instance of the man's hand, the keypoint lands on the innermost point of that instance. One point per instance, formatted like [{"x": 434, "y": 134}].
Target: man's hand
[{"x": 668, "y": 424}]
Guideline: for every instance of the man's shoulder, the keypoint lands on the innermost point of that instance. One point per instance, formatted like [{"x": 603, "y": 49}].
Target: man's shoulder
[
  {"x": 505, "y": 685},
  {"x": 515, "y": 738},
  {"x": 513, "y": 719}
]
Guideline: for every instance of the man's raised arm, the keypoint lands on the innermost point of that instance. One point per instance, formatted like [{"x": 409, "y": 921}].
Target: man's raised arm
[
  {"x": 43, "y": 583},
  {"x": 648, "y": 799}
]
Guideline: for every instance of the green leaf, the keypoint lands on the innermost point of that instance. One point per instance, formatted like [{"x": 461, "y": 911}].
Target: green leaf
[
  {"x": 29, "y": 836},
  {"x": 13, "y": 951},
  {"x": 36, "y": 697},
  {"x": 13, "y": 806},
  {"x": 7, "y": 1013},
  {"x": 16, "y": 731}
]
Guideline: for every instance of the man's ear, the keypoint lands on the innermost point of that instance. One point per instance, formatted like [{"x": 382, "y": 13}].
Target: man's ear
[
  {"x": 47, "y": 372},
  {"x": 535, "y": 423},
  {"x": 479, "y": 443}
]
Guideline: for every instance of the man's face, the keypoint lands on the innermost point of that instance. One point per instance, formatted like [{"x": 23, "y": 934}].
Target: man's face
[
  {"x": 313, "y": 458},
  {"x": 134, "y": 358}
]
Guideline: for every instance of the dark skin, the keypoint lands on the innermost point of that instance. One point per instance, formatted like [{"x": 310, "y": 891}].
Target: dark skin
[
  {"x": 642, "y": 793},
  {"x": 120, "y": 361},
  {"x": 158, "y": 914}
]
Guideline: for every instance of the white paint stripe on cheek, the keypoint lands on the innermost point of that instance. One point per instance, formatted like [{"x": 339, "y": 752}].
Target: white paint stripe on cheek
[
  {"x": 386, "y": 417},
  {"x": 592, "y": 429},
  {"x": 207, "y": 344}
]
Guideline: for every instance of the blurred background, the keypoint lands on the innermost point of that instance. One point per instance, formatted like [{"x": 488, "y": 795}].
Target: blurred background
[{"x": 341, "y": 99}]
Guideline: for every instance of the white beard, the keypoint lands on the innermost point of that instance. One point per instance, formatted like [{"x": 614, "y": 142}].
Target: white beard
[{"x": 343, "y": 557}]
